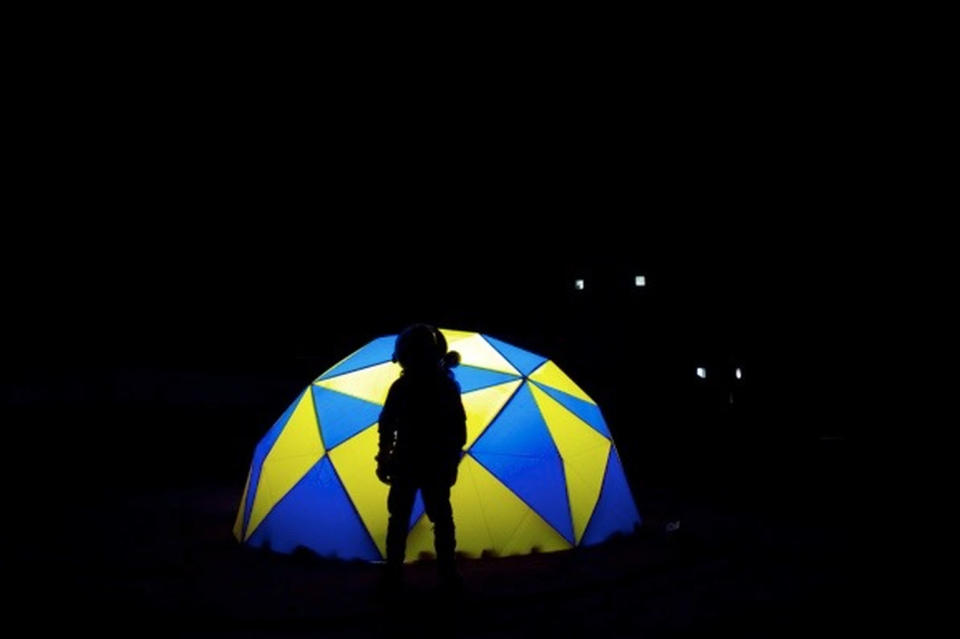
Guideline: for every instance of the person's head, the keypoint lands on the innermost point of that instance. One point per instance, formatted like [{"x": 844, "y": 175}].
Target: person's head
[{"x": 420, "y": 347}]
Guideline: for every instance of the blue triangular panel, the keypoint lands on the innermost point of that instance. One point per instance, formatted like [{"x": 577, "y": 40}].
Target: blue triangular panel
[
  {"x": 418, "y": 509},
  {"x": 260, "y": 453},
  {"x": 523, "y": 361},
  {"x": 590, "y": 413},
  {"x": 471, "y": 378},
  {"x": 538, "y": 481},
  {"x": 378, "y": 351},
  {"x": 518, "y": 429},
  {"x": 615, "y": 510},
  {"x": 518, "y": 450},
  {"x": 342, "y": 416},
  {"x": 317, "y": 513}
]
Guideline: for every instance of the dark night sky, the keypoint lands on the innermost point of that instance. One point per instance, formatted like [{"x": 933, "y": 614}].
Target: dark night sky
[
  {"x": 198, "y": 240},
  {"x": 177, "y": 348}
]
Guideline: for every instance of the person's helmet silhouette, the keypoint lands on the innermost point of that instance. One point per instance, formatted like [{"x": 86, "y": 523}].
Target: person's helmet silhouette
[{"x": 422, "y": 432}]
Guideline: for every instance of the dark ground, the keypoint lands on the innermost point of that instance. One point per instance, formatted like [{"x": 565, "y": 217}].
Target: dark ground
[{"x": 165, "y": 561}]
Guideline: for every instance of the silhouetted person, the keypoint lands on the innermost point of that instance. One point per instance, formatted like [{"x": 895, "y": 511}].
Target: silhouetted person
[{"x": 422, "y": 432}]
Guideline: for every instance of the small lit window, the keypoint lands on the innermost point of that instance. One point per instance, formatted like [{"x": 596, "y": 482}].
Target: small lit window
[
  {"x": 640, "y": 280},
  {"x": 738, "y": 374},
  {"x": 701, "y": 372},
  {"x": 579, "y": 285}
]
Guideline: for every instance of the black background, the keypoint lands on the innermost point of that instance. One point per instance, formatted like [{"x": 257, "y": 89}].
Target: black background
[{"x": 201, "y": 228}]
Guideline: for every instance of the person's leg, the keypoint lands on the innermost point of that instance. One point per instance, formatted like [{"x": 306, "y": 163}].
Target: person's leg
[
  {"x": 436, "y": 501},
  {"x": 399, "y": 505}
]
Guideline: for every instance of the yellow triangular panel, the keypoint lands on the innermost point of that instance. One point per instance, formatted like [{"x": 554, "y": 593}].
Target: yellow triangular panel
[
  {"x": 483, "y": 405},
  {"x": 571, "y": 434},
  {"x": 584, "y": 452},
  {"x": 238, "y": 525},
  {"x": 371, "y": 384},
  {"x": 472, "y": 533},
  {"x": 420, "y": 538},
  {"x": 550, "y": 375},
  {"x": 355, "y": 464},
  {"x": 535, "y": 533},
  {"x": 263, "y": 501},
  {"x": 300, "y": 435},
  {"x": 476, "y": 351},
  {"x": 504, "y": 512},
  {"x": 455, "y": 336},
  {"x": 583, "y": 491},
  {"x": 295, "y": 452}
]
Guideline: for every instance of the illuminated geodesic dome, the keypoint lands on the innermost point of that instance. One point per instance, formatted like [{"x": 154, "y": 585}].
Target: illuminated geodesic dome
[{"x": 540, "y": 470}]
